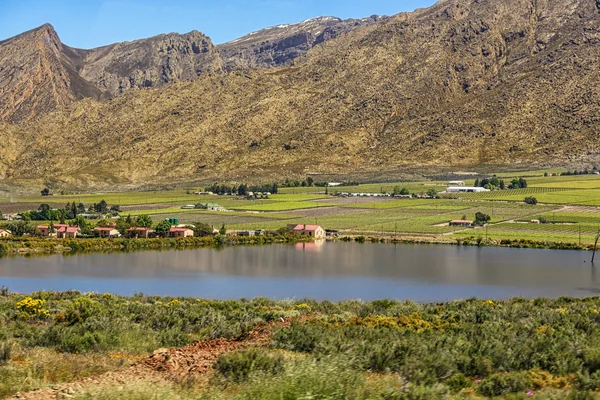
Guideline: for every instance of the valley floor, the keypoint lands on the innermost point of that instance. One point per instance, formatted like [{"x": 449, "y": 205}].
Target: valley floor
[{"x": 568, "y": 207}]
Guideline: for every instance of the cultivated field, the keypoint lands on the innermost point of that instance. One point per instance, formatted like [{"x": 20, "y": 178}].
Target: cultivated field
[{"x": 569, "y": 204}]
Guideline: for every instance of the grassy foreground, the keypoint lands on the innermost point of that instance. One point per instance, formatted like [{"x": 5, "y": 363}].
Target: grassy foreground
[{"x": 516, "y": 349}]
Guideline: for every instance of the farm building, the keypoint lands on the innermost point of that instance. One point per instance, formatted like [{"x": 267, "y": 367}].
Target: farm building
[
  {"x": 181, "y": 233},
  {"x": 211, "y": 207},
  {"x": 456, "y": 183},
  {"x": 143, "y": 233},
  {"x": 310, "y": 230},
  {"x": 188, "y": 207},
  {"x": 466, "y": 189},
  {"x": 462, "y": 223},
  {"x": 107, "y": 232},
  {"x": 4, "y": 233}
]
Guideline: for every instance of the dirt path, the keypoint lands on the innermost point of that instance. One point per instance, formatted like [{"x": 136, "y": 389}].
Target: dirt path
[{"x": 162, "y": 366}]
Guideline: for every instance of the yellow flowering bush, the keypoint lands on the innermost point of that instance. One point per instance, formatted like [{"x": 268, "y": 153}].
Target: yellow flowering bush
[
  {"x": 32, "y": 308},
  {"x": 174, "y": 303}
]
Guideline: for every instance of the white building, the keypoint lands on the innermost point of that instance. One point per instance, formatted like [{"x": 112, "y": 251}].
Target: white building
[{"x": 466, "y": 189}]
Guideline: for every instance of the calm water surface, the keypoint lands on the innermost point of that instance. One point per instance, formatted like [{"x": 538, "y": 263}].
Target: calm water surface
[{"x": 331, "y": 271}]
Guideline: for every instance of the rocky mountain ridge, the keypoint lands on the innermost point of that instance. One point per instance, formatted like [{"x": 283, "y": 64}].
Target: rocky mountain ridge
[
  {"x": 281, "y": 44},
  {"x": 38, "y": 73}
]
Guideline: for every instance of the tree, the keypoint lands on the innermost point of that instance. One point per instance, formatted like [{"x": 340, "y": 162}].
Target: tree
[
  {"x": 243, "y": 190},
  {"x": 83, "y": 224},
  {"x": 546, "y": 174},
  {"x": 143, "y": 221},
  {"x": 222, "y": 231},
  {"x": 61, "y": 216},
  {"x": 101, "y": 207},
  {"x": 432, "y": 193},
  {"x": 45, "y": 192},
  {"x": 201, "y": 229},
  {"x": 1, "y": 216},
  {"x": 523, "y": 183},
  {"x": 481, "y": 218},
  {"x": 163, "y": 228},
  {"x": 80, "y": 208},
  {"x": 51, "y": 228},
  {"x": 20, "y": 228},
  {"x": 310, "y": 181},
  {"x": 531, "y": 200},
  {"x": 476, "y": 184},
  {"x": 502, "y": 184}
]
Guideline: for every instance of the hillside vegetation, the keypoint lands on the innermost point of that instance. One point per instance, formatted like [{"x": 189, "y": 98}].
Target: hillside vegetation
[{"x": 463, "y": 83}]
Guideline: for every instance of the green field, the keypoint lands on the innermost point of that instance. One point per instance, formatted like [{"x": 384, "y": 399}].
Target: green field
[{"x": 570, "y": 203}]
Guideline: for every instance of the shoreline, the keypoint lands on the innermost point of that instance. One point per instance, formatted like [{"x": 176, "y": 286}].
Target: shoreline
[{"x": 46, "y": 247}]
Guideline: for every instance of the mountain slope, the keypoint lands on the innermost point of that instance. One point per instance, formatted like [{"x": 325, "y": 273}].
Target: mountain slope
[
  {"x": 37, "y": 74},
  {"x": 463, "y": 83},
  {"x": 278, "y": 45}
]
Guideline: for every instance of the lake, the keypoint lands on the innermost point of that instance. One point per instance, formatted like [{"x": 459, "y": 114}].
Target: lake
[{"x": 323, "y": 271}]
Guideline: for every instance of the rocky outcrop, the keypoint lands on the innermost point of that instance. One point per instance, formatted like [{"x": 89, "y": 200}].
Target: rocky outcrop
[
  {"x": 279, "y": 45},
  {"x": 150, "y": 62},
  {"x": 38, "y": 74}
]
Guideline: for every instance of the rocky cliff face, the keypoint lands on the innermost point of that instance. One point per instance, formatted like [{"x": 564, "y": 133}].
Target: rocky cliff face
[
  {"x": 279, "y": 45},
  {"x": 150, "y": 62},
  {"x": 38, "y": 74}
]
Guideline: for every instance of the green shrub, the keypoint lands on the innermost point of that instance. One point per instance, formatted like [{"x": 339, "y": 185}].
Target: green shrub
[
  {"x": 503, "y": 383},
  {"x": 237, "y": 366},
  {"x": 458, "y": 382},
  {"x": 6, "y": 349},
  {"x": 173, "y": 337}
]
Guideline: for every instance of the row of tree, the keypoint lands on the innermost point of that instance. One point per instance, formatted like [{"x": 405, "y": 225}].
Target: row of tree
[
  {"x": 494, "y": 183},
  {"x": 70, "y": 211},
  {"x": 243, "y": 189}
]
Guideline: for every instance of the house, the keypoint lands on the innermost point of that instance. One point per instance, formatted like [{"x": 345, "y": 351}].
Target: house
[
  {"x": 210, "y": 207},
  {"x": 461, "y": 222},
  {"x": 142, "y": 233},
  {"x": 181, "y": 233},
  {"x": 67, "y": 232},
  {"x": 310, "y": 230},
  {"x": 188, "y": 207},
  {"x": 4, "y": 233},
  {"x": 107, "y": 232},
  {"x": 246, "y": 233},
  {"x": 466, "y": 189},
  {"x": 44, "y": 230},
  {"x": 456, "y": 183}
]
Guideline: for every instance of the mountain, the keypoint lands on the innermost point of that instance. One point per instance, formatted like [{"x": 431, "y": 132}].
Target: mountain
[
  {"x": 279, "y": 45},
  {"x": 464, "y": 83},
  {"x": 150, "y": 62},
  {"x": 38, "y": 74}
]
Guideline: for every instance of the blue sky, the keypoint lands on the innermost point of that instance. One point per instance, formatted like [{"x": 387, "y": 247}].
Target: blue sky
[{"x": 94, "y": 23}]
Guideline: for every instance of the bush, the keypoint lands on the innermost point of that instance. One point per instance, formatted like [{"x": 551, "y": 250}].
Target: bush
[
  {"x": 173, "y": 337},
  {"x": 5, "y": 351},
  {"x": 237, "y": 366},
  {"x": 503, "y": 383},
  {"x": 531, "y": 200}
]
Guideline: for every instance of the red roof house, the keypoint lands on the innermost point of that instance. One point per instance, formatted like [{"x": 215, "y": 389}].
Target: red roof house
[{"x": 310, "y": 230}]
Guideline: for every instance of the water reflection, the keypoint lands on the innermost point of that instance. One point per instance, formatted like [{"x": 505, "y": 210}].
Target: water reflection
[{"x": 321, "y": 270}]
